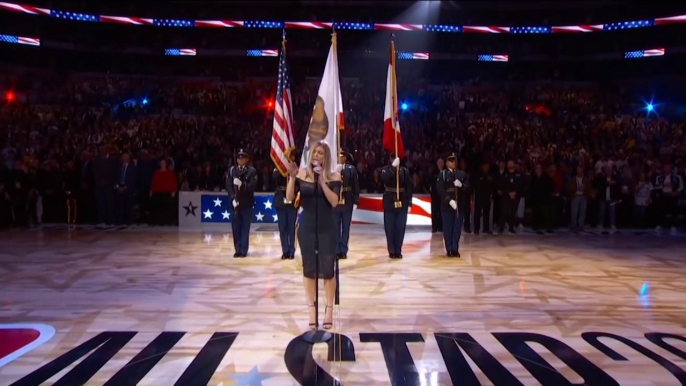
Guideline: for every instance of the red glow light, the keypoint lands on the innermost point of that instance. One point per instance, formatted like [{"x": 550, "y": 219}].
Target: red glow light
[{"x": 10, "y": 96}]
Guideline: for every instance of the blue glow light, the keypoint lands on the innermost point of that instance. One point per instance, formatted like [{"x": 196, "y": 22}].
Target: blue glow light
[
  {"x": 145, "y": 101},
  {"x": 644, "y": 289},
  {"x": 403, "y": 106},
  {"x": 650, "y": 107}
]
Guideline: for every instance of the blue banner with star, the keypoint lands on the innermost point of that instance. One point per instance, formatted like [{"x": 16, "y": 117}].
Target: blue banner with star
[{"x": 217, "y": 208}]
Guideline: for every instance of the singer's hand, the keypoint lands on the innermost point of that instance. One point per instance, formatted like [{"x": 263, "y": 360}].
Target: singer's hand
[
  {"x": 396, "y": 162},
  {"x": 235, "y": 203},
  {"x": 237, "y": 182},
  {"x": 457, "y": 183},
  {"x": 317, "y": 169},
  {"x": 453, "y": 204},
  {"x": 293, "y": 169}
]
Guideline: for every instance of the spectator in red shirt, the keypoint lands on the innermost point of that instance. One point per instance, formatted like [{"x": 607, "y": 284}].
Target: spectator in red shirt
[{"x": 163, "y": 193}]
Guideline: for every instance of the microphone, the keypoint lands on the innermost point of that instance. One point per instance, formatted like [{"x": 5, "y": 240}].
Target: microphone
[{"x": 315, "y": 164}]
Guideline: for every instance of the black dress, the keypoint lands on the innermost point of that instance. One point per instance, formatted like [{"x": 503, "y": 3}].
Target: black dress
[{"x": 317, "y": 204}]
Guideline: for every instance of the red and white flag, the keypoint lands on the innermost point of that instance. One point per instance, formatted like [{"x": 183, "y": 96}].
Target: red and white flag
[
  {"x": 327, "y": 115},
  {"x": 283, "y": 141},
  {"x": 392, "y": 140}
]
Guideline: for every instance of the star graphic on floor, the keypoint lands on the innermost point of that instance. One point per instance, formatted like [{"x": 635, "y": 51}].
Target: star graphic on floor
[
  {"x": 225, "y": 215},
  {"x": 190, "y": 209},
  {"x": 253, "y": 378},
  {"x": 275, "y": 217},
  {"x": 208, "y": 214},
  {"x": 267, "y": 204},
  {"x": 217, "y": 202},
  {"x": 259, "y": 216}
]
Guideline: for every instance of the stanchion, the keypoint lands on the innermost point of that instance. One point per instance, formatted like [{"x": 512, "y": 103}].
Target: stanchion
[{"x": 316, "y": 336}]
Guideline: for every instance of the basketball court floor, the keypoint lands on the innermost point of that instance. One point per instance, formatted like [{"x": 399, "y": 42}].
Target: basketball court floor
[{"x": 155, "y": 306}]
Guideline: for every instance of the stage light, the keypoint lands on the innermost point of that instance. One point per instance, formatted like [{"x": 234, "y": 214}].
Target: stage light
[
  {"x": 270, "y": 104},
  {"x": 145, "y": 101},
  {"x": 403, "y": 106},
  {"x": 10, "y": 96},
  {"x": 650, "y": 107}
]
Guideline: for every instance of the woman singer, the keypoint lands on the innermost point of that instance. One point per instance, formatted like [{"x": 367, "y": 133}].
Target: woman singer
[{"x": 319, "y": 189}]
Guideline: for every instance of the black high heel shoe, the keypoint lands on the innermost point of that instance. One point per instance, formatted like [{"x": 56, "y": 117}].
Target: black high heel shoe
[
  {"x": 312, "y": 325},
  {"x": 328, "y": 325}
]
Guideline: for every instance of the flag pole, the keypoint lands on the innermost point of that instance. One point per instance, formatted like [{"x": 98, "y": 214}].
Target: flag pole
[
  {"x": 334, "y": 42},
  {"x": 394, "y": 111},
  {"x": 283, "y": 40},
  {"x": 337, "y": 293}
]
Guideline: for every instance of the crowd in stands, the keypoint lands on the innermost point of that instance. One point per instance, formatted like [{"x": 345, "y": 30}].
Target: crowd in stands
[{"x": 116, "y": 150}]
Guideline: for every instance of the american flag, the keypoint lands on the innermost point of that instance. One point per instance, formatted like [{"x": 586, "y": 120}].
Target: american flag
[
  {"x": 180, "y": 51},
  {"x": 493, "y": 58},
  {"x": 216, "y": 208},
  {"x": 413, "y": 55},
  {"x": 20, "y": 40},
  {"x": 282, "y": 131},
  {"x": 644, "y": 53}
]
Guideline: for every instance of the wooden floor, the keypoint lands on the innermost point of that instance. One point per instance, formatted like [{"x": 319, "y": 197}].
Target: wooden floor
[{"x": 521, "y": 308}]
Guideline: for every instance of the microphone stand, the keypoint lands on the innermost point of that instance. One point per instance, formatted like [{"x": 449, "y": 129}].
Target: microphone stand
[{"x": 316, "y": 336}]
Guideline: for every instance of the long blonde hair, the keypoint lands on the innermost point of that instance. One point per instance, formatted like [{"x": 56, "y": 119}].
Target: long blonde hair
[{"x": 326, "y": 167}]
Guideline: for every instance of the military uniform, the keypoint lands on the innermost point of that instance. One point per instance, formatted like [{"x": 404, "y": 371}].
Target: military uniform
[
  {"x": 395, "y": 214},
  {"x": 241, "y": 186},
  {"x": 450, "y": 192},
  {"x": 349, "y": 197},
  {"x": 286, "y": 216},
  {"x": 510, "y": 182}
]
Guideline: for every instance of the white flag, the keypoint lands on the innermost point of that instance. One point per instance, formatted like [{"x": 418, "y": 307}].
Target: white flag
[{"x": 327, "y": 115}]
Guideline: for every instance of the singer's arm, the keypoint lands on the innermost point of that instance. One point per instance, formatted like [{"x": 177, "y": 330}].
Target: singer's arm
[
  {"x": 331, "y": 193},
  {"x": 290, "y": 188}
]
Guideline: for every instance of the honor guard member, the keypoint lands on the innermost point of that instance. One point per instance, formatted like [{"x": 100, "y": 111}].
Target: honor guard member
[
  {"x": 241, "y": 187},
  {"x": 451, "y": 186},
  {"x": 397, "y": 202},
  {"x": 286, "y": 213},
  {"x": 348, "y": 199}
]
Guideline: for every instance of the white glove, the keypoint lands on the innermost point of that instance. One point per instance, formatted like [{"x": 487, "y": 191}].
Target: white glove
[
  {"x": 396, "y": 162},
  {"x": 300, "y": 210},
  {"x": 339, "y": 167},
  {"x": 457, "y": 183},
  {"x": 237, "y": 182},
  {"x": 235, "y": 203},
  {"x": 453, "y": 204}
]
